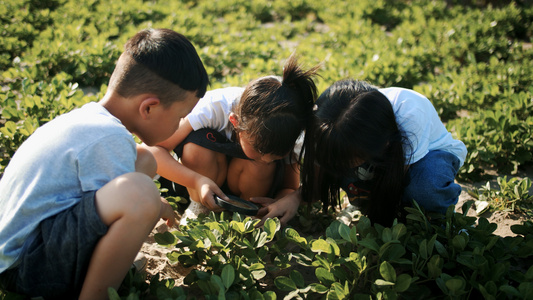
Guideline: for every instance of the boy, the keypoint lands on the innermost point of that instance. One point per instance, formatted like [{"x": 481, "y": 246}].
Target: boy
[{"x": 77, "y": 198}]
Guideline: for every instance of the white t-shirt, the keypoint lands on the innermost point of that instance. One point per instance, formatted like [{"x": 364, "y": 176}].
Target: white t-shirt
[
  {"x": 75, "y": 153},
  {"x": 418, "y": 119},
  {"x": 212, "y": 111}
]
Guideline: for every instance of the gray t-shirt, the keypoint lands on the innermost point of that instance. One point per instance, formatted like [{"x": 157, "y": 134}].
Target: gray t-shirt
[{"x": 75, "y": 153}]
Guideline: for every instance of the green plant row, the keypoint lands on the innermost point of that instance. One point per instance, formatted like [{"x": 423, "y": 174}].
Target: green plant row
[
  {"x": 455, "y": 257},
  {"x": 501, "y": 137},
  {"x": 512, "y": 195}
]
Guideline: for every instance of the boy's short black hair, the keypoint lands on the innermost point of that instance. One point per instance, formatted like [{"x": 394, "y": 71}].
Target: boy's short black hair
[{"x": 162, "y": 62}]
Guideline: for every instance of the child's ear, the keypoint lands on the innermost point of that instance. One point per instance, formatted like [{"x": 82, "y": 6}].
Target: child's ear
[
  {"x": 147, "y": 106},
  {"x": 233, "y": 120}
]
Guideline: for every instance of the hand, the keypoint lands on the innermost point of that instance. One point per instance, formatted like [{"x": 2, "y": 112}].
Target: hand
[
  {"x": 285, "y": 208},
  {"x": 207, "y": 189},
  {"x": 167, "y": 213}
]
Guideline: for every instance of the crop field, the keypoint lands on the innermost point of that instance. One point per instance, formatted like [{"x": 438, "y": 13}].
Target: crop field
[{"x": 472, "y": 58}]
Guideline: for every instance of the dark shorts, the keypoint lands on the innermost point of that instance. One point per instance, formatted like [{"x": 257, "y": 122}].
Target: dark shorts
[
  {"x": 216, "y": 141},
  {"x": 56, "y": 262},
  {"x": 212, "y": 140}
]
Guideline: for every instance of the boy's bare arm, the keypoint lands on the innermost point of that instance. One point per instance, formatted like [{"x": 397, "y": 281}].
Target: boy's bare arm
[
  {"x": 145, "y": 162},
  {"x": 169, "y": 168}
]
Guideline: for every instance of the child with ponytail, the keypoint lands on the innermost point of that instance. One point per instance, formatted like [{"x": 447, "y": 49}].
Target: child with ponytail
[
  {"x": 241, "y": 141},
  {"x": 384, "y": 148}
]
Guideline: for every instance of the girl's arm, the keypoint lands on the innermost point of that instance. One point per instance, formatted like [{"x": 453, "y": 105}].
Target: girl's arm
[
  {"x": 284, "y": 208},
  {"x": 287, "y": 200},
  {"x": 171, "y": 169}
]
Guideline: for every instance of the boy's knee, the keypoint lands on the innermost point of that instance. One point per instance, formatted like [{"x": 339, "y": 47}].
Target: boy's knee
[
  {"x": 132, "y": 194},
  {"x": 143, "y": 193}
]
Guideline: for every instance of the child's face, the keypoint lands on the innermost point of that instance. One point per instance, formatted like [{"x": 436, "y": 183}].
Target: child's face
[
  {"x": 250, "y": 152},
  {"x": 166, "y": 120}
]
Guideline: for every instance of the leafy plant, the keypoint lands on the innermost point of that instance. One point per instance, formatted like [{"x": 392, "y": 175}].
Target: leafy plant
[
  {"x": 472, "y": 60},
  {"x": 451, "y": 256},
  {"x": 229, "y": 255},
  {"x": 511, "y": 195},
  {"x": 136, "y": 286}
]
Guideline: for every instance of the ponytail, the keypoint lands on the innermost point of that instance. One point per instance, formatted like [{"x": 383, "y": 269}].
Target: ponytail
[{"x": 276, "y": 112}]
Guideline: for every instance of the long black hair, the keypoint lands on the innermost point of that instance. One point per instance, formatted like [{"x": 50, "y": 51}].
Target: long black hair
[{"x": 355, "y": 124}]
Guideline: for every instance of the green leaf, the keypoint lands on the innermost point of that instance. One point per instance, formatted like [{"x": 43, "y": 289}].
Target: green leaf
[
  {"x": 381, "y": 282},
  {"x": 435, "y": 266},
  {"x": 459, "y": 242},
  {"x": 510, "y": 291},
  {"x": 333, "y": 230},
  {"x": 297, "y": 278},
  {"x": 9, "y": 129},
  {"x": 207, "y": 287},
  {"x": 321, "y": 262},
  {"x": 269, "y": 295},
  {"x": 441, "y": 249},
  {"x": 324, "y": 276},
  {"x": 423, "y": 250},
  {"x": 165, "y": 239},
  {"x": 258, "y": 274},
  {"x": 386, "y": 235},
  {"x": 339, "y": 290},
  {"x": 318, "y": 288},
  {"x": 369, "y": 243},
  {"x": 387, "y": 271},
  {"x": 391, "y": 251},
  {"x": 261, "y": 240},
  {"x": 526, "y": 290},
  {"x": 402, "y": 282},
  {"x": 529, "y": 274},
  {"x": 228, "y": 275},
  {"x": 320, "y": 246},
  {"x": 238, "y": 226},
  {"x": 398, "y": 231},
  {"x": 256, "y": 266},
  {"x": 271, "y": 226},
  {"x": 113, "y": 294},
  {"x": 353, "y": 235},
  {"x": 456, "y": 285},
  {"x": 294, "y": 236},
  {"x": 217, "y": 283},
  {"x": 344, "y": 232},
  {"x": 285, "y": 283}
]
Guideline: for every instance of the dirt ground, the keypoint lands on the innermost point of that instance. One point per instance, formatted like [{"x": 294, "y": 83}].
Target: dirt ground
[{"x": 158, "y": 262}]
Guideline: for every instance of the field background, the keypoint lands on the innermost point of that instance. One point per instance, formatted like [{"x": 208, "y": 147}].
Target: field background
[{"x": 472, "y": 59}]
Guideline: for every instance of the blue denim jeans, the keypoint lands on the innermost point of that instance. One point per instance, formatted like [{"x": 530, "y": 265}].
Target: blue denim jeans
[
  {"x": 55, "y": 264},
  {"x": 431, "y": 181}
]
